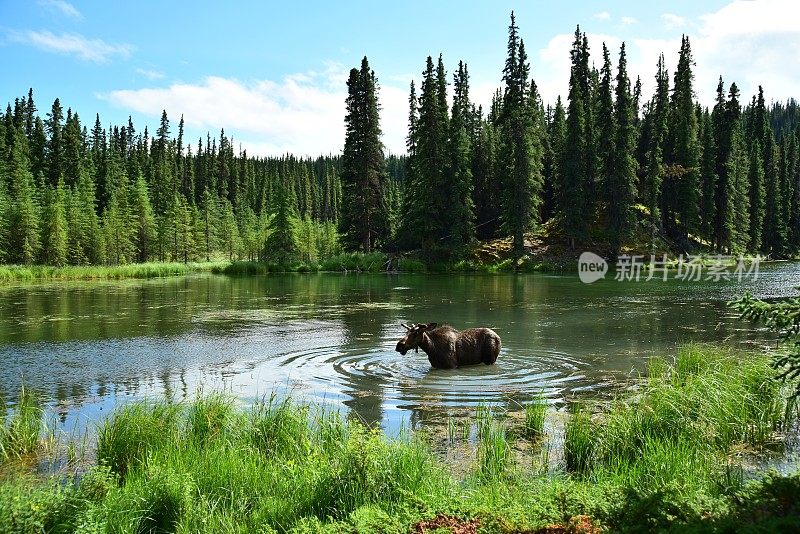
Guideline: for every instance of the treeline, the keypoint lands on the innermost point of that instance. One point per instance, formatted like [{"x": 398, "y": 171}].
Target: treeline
[
  {"x": 604, "y": 166},
  {"x": 70, "y": 195}
]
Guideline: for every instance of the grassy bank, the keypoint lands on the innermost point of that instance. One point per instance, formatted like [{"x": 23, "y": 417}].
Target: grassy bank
[
  {"x": 376, "y": 262},
  {"x": 661, "y": 459},
  {"x": 33, "y": 273}
]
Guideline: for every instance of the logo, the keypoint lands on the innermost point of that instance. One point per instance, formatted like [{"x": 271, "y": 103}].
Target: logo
[{"x": 591, "y": 267}]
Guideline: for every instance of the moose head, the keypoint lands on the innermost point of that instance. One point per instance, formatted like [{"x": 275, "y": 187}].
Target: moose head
[{"x": 413, "y": 337}]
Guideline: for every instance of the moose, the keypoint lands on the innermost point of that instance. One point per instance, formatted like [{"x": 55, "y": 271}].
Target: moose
[{"x": 448, "y": 348}]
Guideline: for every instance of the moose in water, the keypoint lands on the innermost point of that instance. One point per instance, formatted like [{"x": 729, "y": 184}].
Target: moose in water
[{"x": 447, "y": 348}]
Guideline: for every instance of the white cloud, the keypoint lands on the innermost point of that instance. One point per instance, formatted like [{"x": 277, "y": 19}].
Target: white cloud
[
  {"x": 65, "y": 8},
  {"x": 746, "y": 42},
  {"x": 94, "y": 50},
  {"x": 749, "y": 42},
  {"x": 303, "y": 113},
  {"x": 150, "y": 74},
  {"x": 603, "y": 15},
  {"x": 627, "y": 21},
  {"x": 672, "y": 21}
]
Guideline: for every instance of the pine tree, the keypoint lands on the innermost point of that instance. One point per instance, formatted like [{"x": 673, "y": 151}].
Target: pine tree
[
  {"x": 282, "y": 243},
  {"x": 738, "y": 219},
  {"x": 554, "y": 176},
  {"x": 484, "y": 175},
  {"x": 572, "y": 195},
  {"x": 55, "y": 148},
  {"x": 54, "y": 227},
  {"x": 22, "y": 232},
  {"x": 365, "y": 217},
  {"x": 461, "y": 211},
  {"x": 208, "y": 224},
  {"x": 606, "y": 121},
  {"x": 756, "y": 195},
  {"x": 622, "y": 178},
  {"x": 682, "y": 154},
  {"x": 709, "y": 179},
  {"x": 792, "y": 171},
  {"x": 520, "y": 145},
  {"x": 228, "y": 230},
  {"x": 143, "y": 221}
]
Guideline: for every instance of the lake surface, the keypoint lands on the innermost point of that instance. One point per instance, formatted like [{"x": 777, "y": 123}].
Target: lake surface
[{"x": 330, "y": 338}]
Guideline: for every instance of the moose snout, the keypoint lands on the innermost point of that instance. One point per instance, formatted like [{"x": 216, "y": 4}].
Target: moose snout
[{"x": 401, "y": 348}]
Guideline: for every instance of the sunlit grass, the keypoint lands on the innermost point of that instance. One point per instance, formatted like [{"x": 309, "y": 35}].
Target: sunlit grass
[
  {"x": 648, "y": 461},
  {"x": 33, "y": 273}
]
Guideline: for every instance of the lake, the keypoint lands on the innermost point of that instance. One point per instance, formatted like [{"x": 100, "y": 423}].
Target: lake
[{"x": 329, "y": 338}]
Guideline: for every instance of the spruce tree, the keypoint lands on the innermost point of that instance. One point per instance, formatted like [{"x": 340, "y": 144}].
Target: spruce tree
[
  {"x": 520, "y": 145},
  {"x": 756, "y": 195},
  {"x": 22, "y": 229},
  {"x": 682, "y": 154},
  {"x": 282, "y": 243},
  {"x": 143, "y": 221},
  {"x": 622, "y": 178},
  {"x": 365, "y": 217},
  {"x": 554, "y": 176},
  {"x": 606, "y": 121},
  {"x": 572, "y": 194},
  {"x": 55, "y": 147},
  {"x": 54, "y": 227},
  {"x": 709, "y": 180},
  {"x": 461, "y": 211}
]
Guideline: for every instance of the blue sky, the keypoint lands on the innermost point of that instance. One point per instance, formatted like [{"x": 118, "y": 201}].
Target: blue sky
[{"x": 273, "y": 73}]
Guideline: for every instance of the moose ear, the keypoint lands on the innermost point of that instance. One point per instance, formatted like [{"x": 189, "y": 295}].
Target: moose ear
[{"x": 404, "y": 325}]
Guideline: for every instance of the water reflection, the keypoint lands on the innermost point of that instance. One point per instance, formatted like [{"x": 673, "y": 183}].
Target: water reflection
[{"x": 330, "y": 338}]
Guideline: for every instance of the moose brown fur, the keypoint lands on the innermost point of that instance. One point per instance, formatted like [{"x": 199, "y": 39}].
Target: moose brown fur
[{"x": 448, "y": 348}]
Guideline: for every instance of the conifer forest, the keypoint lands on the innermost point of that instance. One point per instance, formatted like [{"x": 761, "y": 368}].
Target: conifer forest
[{"x": 600, "y": 159}]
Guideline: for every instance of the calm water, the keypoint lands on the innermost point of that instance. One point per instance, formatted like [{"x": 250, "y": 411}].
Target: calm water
[{"x": 330, "y": 338}]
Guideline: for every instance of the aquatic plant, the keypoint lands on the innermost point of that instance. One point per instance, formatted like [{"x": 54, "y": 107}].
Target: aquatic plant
[{"x": 535, "y": 411}]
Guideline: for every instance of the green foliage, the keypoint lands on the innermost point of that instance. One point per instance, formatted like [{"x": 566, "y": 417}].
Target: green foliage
[
  {"x": 579, "y": 440},
  {"x": 783, "y": 317},
  {"x": 20, "y": 273},
  {"x": 365, "y": 216},
  {"x": 654, "y": 461},
  {"x": 21, "y": 431},
  {"x": 521, "y": 128},
  {"x": 535, "y": 412}
]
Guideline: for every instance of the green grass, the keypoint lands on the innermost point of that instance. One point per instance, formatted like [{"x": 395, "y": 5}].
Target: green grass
[
  {"x": 652, "y": 461},
  {"x": 34, "y": 273},
  {"x": 21, "y": 432},
  {"x": 350, "y": 262},
  {"x": 535, "y": 412}
]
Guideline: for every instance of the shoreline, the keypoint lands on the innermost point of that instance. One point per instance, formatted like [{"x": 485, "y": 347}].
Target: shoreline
[{"x": 664, "y": 456}]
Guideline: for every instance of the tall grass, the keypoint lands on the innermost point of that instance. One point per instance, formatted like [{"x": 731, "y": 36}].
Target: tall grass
[
  {"x": 535, "y": 412},
  {"x": 32, "y": 273},
  {"x": 652, "y": 461},
  {"x": 22, "y": 431},
  {"x": 494, "y": 450},
  {"x": 579, "y": 439}
]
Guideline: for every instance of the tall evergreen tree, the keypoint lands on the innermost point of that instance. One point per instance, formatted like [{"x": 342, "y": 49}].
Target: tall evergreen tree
[
  {"x": 622, "y": 178},
  {"x": 572, "y": 195},
  {"x": 520, "y": 145},
  {"x": 365, "y": 217},
  {"x": 282, "y": 244},
  {"x": 54, "y": 227},
  {"x": 756, "y": 195},
  {"x": 709, "y": 177},
  {"x": 682, "y": 155}
]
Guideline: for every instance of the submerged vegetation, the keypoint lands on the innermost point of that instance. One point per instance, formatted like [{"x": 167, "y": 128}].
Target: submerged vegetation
[{"x": 666, "y": 457}]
